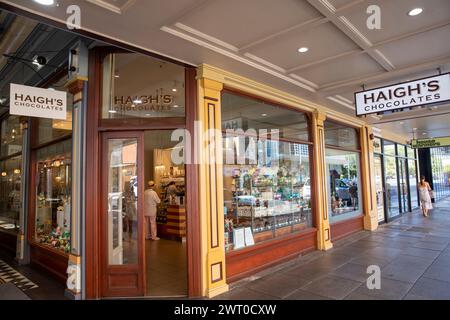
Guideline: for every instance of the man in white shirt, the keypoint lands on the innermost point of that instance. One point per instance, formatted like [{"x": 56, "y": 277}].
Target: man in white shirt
[{"x": 151, "y": 201}]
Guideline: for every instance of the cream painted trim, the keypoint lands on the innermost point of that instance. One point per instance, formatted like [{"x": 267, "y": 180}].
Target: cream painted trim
[{"x": 235, "y": 81}]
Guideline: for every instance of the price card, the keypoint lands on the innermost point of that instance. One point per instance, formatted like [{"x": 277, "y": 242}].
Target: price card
[
  {"x": 239, "y": 238},
  {"x": 249, "y": 241}
]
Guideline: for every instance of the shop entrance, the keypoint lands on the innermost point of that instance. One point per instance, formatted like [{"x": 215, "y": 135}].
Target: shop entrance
[{"x": 143, "y": 215}]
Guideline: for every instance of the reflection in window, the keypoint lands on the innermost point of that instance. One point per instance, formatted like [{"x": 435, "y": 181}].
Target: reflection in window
[
  {"x": 391, "y": 184},
  {"x": 338, "y": 135},
  {"x": 440, "y": 162},
  {"x": 10, "y": 194},
  {"x": 11, "y": 136},
  {"x": 53, "y": 196},
  {"x": 267, "y": 186},
  {"x": 122, "y": 202},
  {"x": 343, "y": 184},
  {"x": 136, "y": 86}
]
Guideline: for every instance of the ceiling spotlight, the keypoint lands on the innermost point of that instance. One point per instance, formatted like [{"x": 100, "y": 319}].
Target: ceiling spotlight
[
  {"x": 137, "y": 101},
  {"x": 40, "y": 61},
  {"x": 415, "y": 12},
  {"x": 116, "y": 76},
  {"x": 174, "y": 90},
  {"x": 303, "y": 50},
  {"x": 112, "y": 111},
  {"x": 264, "y": 115},
  {"x": 45, "y": 2}
]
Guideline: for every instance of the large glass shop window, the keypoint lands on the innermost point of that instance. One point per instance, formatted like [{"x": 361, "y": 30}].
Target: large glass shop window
[
  {"x": 10, "y": 194},
  {"x": 11, "y": 136},
  {"x": 136, "y": 86},
  {"x": 53, "y": 196},
  {"x": 267, "y": 186},
  {"x": 343, "y": 167}
]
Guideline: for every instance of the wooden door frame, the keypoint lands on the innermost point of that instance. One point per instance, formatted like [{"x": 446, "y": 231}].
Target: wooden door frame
[
  {"x": 93, "y": 178},
  {"x": 105, "y": 267}
]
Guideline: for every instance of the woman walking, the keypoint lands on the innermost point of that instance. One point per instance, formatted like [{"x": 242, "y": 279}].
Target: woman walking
[{"x": 424, "y": 194}]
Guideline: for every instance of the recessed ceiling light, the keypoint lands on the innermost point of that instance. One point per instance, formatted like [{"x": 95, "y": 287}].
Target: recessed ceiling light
[
  {"x": 415, "y": 12},
  {"x": 137, "y": 101},
  {"x": 303, "y": 50},
  {"x": 45, "y": 2},
  {"x": 112, "y": 111},
  {"x": 264, "y": 115},
  {"x": 176, "y": 106},
  {"x": 174, "y": 90}
]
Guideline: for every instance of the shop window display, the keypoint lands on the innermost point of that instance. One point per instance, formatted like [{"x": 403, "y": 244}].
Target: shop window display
[
  {"x": 53, "y": 196},
  {"x": 267, "y": 189},
  {"x": 10, "y": 194},
  {"x": 343, "y": 184}
]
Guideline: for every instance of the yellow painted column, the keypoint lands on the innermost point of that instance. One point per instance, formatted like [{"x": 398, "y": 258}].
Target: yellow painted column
[
  {"x": 209, "y": 138},
  {"x": 320, "y": 185},
  {"x": 368, "y": 179}
]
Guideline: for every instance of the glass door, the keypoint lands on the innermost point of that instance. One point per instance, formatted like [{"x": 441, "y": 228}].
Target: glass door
[
  {"x": 403, "y": 179},
  {"x": 391, "y": 185},
  {"x": 379, "y": 188},
  {"x": 123, "y": 262}
]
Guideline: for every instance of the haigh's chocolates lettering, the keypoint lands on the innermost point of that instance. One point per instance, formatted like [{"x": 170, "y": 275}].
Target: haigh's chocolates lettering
[
  {"x": 38, "y": 102},
  {"x": 156, "y": 103},
  {"x": 406, "y": 95}
]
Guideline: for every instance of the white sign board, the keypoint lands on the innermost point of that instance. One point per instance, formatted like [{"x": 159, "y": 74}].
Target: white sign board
[
  {"x": 37, "y": 102},
  {"x": 405, "y": 95}
]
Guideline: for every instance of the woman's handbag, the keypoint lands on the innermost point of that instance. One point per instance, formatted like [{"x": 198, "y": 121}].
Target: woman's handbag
[{"x": 432, "y": 195}]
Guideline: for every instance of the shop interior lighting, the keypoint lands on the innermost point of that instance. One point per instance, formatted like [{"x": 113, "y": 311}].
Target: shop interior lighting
[
  {"x": 137, "y": 101},
  {"x": 303, "y": 49}
]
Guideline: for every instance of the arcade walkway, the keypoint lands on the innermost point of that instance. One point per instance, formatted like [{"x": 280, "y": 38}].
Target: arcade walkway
[{"x": 413, "y": 253}]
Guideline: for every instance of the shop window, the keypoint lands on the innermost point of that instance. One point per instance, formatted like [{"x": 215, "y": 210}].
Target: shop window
[
  {"x": 389, "y": 148},
  {"x": 411, "y": 153},
  {"x": 53, "y": 196},
  {"x": 344, "y": 187},
  {"x": 440, "y": 162},
  {"x": 136, "y": 86},
  {"x": 52, "y": 129},
  {"x": 401, "y": 150},
  {"x": 11, "y": 136},
  {"x": 413, "y": 183},
  {"x": 341, "y": 136},
  {"x": 242, "y": 113},
  {"x": 267, "y": 186},
  {"x": 392, "y": 186},
  {"x": 10, "y": 194}
]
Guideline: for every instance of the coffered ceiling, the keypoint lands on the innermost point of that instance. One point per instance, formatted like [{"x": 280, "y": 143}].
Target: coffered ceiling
[{"x": 260, "y": 39}]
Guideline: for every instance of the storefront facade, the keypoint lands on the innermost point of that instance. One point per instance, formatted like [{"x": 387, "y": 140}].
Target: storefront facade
[
  {"x": 396, "y": 179},
  {"x": 280, "y": 177}
]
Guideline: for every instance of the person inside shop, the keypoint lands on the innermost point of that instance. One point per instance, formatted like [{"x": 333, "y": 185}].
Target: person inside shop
[
  {"x": 171, "y": 192},
  {"x": 151, "y": 201}
]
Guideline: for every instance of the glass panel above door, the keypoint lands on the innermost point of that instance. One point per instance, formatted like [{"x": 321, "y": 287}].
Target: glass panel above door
[{"x": 137, "y": 86}]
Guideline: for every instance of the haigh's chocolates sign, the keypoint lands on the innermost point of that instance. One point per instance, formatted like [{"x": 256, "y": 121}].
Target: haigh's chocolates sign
[
  {"x": 37, "y": 102},
  {"x": 158, "y": 102},
  {"x": 405, "y": 95}
]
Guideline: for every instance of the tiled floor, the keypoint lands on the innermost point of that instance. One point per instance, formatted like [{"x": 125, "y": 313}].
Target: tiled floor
[
  {"x": 412, "y": 252},
  {"x": 166, "y": 268}
]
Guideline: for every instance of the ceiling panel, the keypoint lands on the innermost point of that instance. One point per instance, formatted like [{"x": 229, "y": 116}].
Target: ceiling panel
[
  {"x": 341, "y": 69},
  {"x": 323, "y": 41},
  {"x": 241, "y": 22},
  {"x": 395, "y": 20},
  {"x": 432, "y": 46},
  {"x": 340, "y": 3}
]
